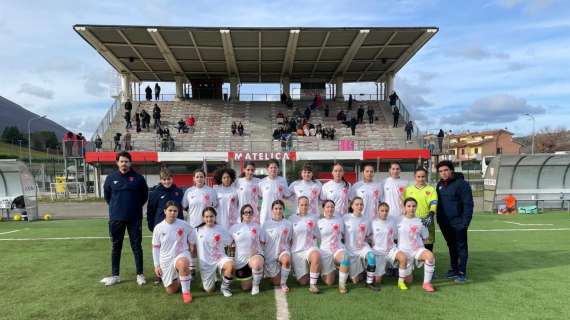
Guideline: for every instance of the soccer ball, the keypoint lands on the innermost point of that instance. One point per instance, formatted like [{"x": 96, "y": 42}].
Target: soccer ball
[
  {"x": 47, "y": 217},
  {"x": 17, "y": 217}
]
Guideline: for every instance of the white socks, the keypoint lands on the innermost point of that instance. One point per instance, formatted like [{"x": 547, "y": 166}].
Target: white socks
[
  {"x": 428, "y": 271},
  {"x": 185, "y": 283},
  {"x": 342, "y": 277},
  {"x": 313, "y": 278},
  {"x": 284, "y": 275},
  {"x": 257, "y": 276}
]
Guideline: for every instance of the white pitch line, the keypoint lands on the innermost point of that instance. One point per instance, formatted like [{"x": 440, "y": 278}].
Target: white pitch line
[
  {"x": 61, "y": 238},
  {"x": 10, "y": 231},
  {"x": 515, "y": 230},
  {"x": 529, "y": 224},
  {"x": 281, "y": 304}
]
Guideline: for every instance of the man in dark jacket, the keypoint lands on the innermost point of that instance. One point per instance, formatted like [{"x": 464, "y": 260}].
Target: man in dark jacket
[
  {"x": 126, "y": 193},
  {"x": 156, "y": 115},
  {"x": 360, "y": 114},
  {"x": 454, "y": 213},
  {"x": 148, "y": 93}
]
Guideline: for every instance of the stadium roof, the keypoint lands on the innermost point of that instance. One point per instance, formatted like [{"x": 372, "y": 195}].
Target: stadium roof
[{"x": 154, "y": 53}]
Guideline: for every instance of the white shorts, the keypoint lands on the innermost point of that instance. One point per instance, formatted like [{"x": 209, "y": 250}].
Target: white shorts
[
  {"x": 210, "y": 273},
  {"x": 358, "y": 262},
  {"x": 382, "y": 260},
  {"x": 413, "y": 258},
  {"x": 328, "y": 264},
  {"x": 301, "y": 262},
  {"x": 273, "y": 267},
  {"x": 169, "y": 272}
]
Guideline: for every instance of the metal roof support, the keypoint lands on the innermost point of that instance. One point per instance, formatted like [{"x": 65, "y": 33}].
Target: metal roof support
[
  {"x": 339, "y": 95},
  {"x": 320, "y": 52},
  {"x": 231, "y": 65},
  {"x": 287, "y": 68},
  {"x": 198, "y": 54},
  {"x": 136, "y": 51},
  {"x": 106, "y": 53},
  {"x": 351, "y": 52},
  {"x": 378, "y": 54},
  {"x": 166, "y": 53},
  {"x": 259, "y": 53}
]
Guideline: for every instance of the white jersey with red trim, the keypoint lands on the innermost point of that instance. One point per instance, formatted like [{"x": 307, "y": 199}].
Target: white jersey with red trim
[
  {"x": 309, "y": 189},
  {"x": 339, "y": 193},
  {"x": 331, "y": 231},
  {"x": 279, "y": 235},
  {"x": 370, "y": 194},
  {"x": 305, "y": 232},
  {"x": 195, "y": 200},
  {"x": 271, "y": 190},
  {"x": 172, "y": 239},
  {"x": 384, "y": 233},
  {"x": 248, "y": 238},
  {"x": 357, "y": 230},
  {"x": 228, "y": 207},
  {"x": 392, "y": 192},
  {"x": 211, "y": 244},
  {"x": 411, "y": 235},
  {"x": 249, "y": 193}
]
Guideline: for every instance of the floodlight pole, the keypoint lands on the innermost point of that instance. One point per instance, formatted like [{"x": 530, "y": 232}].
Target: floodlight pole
[
  {"x": 531, "y": 116},
  {"x": 30, "y": 139}
]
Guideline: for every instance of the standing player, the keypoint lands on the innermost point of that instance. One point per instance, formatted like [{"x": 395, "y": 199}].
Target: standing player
[
  {"x": 173, "y": 244},
  {"x": 426, "y": 198},
  {"x": 306, "y": 254},
  {"x": 273, "y": 187},
  {"x": 411, "y": 236},
  {"x": 368, "y": 191},
  {"x": 198, "y": 197},
  {"x": 278, "y": 247},
  {"x": 337, "y": 190},
  {"x": 392, "y": 190},
  {"x": 159, "y": 195},
  {"x": 384, "y": 232},
  {"x": 333, "y": 253},
  {"x": 248, "y": 190},
  {"x": 249, "y": 238},
  {"x": 309, "y": 188},
  {"x": 356, "y": 235},
  {"x": 228, "y": 207},
  {"x": 211, "y": 242}
]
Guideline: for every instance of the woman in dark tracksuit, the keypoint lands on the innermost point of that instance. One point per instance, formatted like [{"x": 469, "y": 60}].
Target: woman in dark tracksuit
[
  {"x": 159, "y": 195},
  {"x": 454, "y": 213}
]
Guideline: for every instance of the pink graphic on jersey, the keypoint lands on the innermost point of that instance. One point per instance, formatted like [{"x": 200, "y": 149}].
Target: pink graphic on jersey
[
  {"x": 334, "y": 239},
  {"x": 376, "y": 193},
  {"x": 216, "y": 252},
  {"x": 254, "y": 190},
  {"x": 414, "y": 237},
  {"x": 390, "y": 240},
  {"x": 283, "y": 240},
  {"x": 361, "y": 236},
  {"x": 179, "y": 242},
  {"x": 206, "y": 198},
  {"x": 253, "y": 233},
  {"x": 310, "y": 238}
]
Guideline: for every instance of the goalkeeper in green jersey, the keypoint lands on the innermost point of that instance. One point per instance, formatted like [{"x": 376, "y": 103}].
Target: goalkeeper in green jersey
[{"x": 426, "y": 197}]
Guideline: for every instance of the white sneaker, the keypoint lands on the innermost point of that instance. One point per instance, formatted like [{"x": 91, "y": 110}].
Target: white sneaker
[
  {"x": 254, "y": 290},
  {"x": 109, "y": 281},
  {"x": 141, "y": 280},
  {"x": 227, "y": 292}
]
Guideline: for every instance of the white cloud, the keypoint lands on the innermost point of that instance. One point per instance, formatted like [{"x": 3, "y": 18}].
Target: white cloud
[
  {"x": 531, "y": 7},
  {"x": 36, "y": 91},
  {"x": 478, "y": 53}
]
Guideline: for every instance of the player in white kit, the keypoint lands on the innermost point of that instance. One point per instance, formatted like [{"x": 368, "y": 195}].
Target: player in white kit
[
  {"x": 228, "y": 206},
  {"x": 411, "y": 236},
  {"x": 248, "y": 190},
  {"x": 357, "y": 233},
  {"x": 368, "y": 191},
  {"x": 173, "y": 244},
  {"x": 197, "y": 198},
  {"x": 337, "y": 190},
  {"x": 393, "y": 189},
  {"x": 249, "y": 239},
  {"x": 304, "y": 250},
  {"x": 384, "y": 232},
  {"x": 309, "y": 188},
  {"x": 273, "y": 187},
  {"x": 211, "y": 242},
  {"x": 333, "y": 253},
  {"x": 279, "y": 233}
]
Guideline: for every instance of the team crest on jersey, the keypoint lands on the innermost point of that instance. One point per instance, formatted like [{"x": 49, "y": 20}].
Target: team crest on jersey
[
  {"x": 285, "y": 231},
  {"x": 232, "y": 199},
  {"x": 362, "y": 227},
  {"x": 376, "y": 193},
  {"x": 254, "y": 190},
  {"x": 428, "y": 193},
  {"x": 131, "y": 179},
  {"x": 176, "y": 194},
  {"x": 401, "y": 189},
  {"x": 162, "y": 197},
  {"x": 217, "y": 237},
  {"x": 310, "y": 224},
  {"x": 206, "y": 198},
  {"x": 115, "y": 182},
  {"x": 280, "y": 188},
  {"x": 413, "y": 229},
  {"x": 315, "y": 192},
  {"x": 344, "y": 190},
  {"x": 336, "y": 227},
  {"x": 180, "y": 232},
  {"x": 253, "y": 232}
]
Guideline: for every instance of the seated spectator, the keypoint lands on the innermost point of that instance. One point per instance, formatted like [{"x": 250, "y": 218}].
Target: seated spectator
[
  {"x": 297, "y": 113},
  {"x": 234, "y": 128},
  {"x": 341, "y": 116},
  {"x": 240, "y": 129},
  {"x": 166, "y": 131},
  {"x": 327, "y": 110},
  {"x": 331, "y": 133},
  {"x": 127, "y": 141},
  {"x": 191, "y": 121},
  {"x": 160, "y": 132},
  {"x": 182, "y": 126},
  {"x": 276, "y": 134},
  {"x": 289, "y": 103},
  {"x": 511, "y": 204},
  {"x": 308, "y": 113},
  {"x": 117, "y": 140},
  {"x": 98, "y": 144},
  {"x": 292, "y": 125},
  {"x": 306, "y": 130},
  {"x": 300, "y": 132}
]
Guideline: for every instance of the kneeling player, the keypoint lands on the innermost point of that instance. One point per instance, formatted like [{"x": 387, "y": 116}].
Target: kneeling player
[
  {"x": 333, "y": 253},
  {"x": 212, "y": 240},
  {"x": 411, "y": 236},
  {"x": 173, "y": 240},
  {"x": 386, "y": 251},
  {"x": 306, "y": 254},
  {"x": 248, "y": 237},
  {"x": 278, "y": 247}
]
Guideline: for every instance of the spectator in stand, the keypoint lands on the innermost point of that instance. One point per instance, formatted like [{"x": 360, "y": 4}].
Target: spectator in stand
[
  {"x": 327, "y": 110},
  {"x": 138, "y": 121},
  {"x": 128, "y": 105},
  {"x": 440, "y": 137},
  {"x": 331, "y": 132},
  {"x": 360, "y": 114},
  {"x": 156, "y": 92},
  {"x": 182, "y": 126},
  {"x": 68, "y": 143},
  {"x": 143, "y": 118},
  {"x": 292, "y": 125},
  {"x": 341, "y": 116},
  {"x": 80, "y": 143},
  {"x": 127, "y": 141},
  {"x": 280, "y": 118},
  {"x": 396, "y": 114},
  {"x": 353, "y": 123},
  {"x": 240, "y": 129},
  {"x": 160, "y": 132},
  {"x": 156, "y": 115},
  {"x": 289, "y": 103},
  {"x": 283, "y": 98},
  {"x": 190, "y": 122},
  {"x": 393, "y": 99},
  {"x": 148, "y": 92},
  {"x": 308, "y": 113},
  {"x": 297, "y": 113},
  {"x": 312, "y": 130},
  {"x": 128, "y": 120},
  {"x": 234, "y": 128},
  {"x": 349, "y": 102},
  {"x": 166, "y": 131},
  {"x": 276, "y": 134},
  {"x": 409, "y": 130},
  {"x": 98, "y": 144},
  {"x": 370, "y": 113},
  {"x": 117, "y": 140}
]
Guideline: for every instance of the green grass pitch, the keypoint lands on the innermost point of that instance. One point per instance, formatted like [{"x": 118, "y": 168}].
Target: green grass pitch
[{"x": 512, "y": 275}]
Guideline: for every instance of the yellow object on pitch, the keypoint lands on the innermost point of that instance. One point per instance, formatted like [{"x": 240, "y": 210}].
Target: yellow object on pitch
[
  {"x": 17, "y": 217},
  {"x": 47, "y": 217}
]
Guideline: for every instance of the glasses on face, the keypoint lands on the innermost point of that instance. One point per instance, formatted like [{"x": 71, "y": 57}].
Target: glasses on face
[{"x": 248, "y": 212}]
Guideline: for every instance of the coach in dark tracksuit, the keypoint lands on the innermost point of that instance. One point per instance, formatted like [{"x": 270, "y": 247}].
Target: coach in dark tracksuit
[
  {"x": 454, "y": 213},
  {"x": 126, "y": 193},
  {"x": 158, "y": 197}
]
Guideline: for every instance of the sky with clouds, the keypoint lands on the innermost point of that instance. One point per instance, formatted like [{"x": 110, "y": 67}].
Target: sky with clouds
[{"x": 490, "y": 63}]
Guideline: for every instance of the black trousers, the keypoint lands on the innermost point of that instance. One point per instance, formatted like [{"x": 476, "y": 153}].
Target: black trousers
[
  {"x": 456, "y": 238},
  {"x": 117, "y": 233},
  {"x": 396, "y": 122}
]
